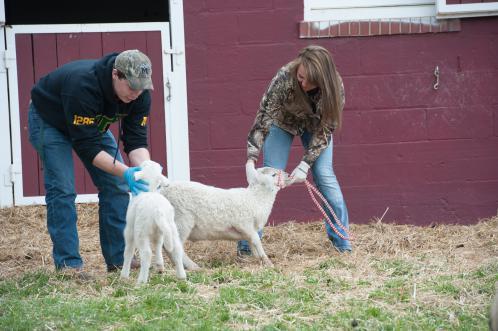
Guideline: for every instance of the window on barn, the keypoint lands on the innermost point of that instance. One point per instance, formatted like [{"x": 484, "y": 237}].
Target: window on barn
[
  {"x": 466, "y": 8},
  {"x": 348, "y": 18},
  {"x": 85, "y": 11},
  {"x": 322, "y": 10}
]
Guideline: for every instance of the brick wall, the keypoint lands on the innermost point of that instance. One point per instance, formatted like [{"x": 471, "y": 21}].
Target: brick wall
[{"x": 429, "y": 155}]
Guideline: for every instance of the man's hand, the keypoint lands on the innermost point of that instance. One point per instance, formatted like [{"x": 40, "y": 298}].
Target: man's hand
[
  {"x": 250, "y": 171},
  {"x": 136, "y": 186},
  {"x": 300, "y": 173}
]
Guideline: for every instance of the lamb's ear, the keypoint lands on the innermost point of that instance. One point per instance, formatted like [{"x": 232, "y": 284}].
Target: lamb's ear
[{"x": 139, "y": 175}]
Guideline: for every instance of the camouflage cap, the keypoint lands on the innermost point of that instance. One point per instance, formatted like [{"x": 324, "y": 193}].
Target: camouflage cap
[{"x": 137, "y": 68}]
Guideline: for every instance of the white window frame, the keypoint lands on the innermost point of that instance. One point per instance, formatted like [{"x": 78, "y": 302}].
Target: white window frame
[
  {"x": 353, "y": 10},
  {"x": 466, "y": 10},
  {"x": 2, "y": 12}
]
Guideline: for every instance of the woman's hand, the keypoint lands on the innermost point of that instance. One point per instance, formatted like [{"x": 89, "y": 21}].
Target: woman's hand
[{"x": 300, "y": 173}]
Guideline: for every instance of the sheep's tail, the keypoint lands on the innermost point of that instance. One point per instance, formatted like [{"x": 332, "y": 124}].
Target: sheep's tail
[{"x": 165, "y": 226}]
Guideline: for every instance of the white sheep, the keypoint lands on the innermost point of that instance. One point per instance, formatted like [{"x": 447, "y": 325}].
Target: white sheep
[
  {"x": 205, "y": 212},
  {"x": 150, "y": 219}
]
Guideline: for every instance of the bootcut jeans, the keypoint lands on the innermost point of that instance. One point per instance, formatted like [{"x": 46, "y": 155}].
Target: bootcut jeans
[{"x": 55, "y": 150}]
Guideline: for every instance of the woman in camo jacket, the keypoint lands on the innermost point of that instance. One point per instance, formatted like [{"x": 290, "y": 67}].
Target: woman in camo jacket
[{"x": 304, "y": 99}]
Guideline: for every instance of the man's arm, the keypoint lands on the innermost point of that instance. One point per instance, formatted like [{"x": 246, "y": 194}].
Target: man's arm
[
  {"x": 137, "y": 156},
  {"x": 105, "y": 161}
]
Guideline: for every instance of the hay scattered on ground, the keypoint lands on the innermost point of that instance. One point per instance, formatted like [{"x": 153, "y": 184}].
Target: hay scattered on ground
[{"x": 25, "y": 245}]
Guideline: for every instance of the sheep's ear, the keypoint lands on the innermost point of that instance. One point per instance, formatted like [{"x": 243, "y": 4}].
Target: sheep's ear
[
  {"x": 164, "y": 181},
  {"x": 251, "y": 173}
]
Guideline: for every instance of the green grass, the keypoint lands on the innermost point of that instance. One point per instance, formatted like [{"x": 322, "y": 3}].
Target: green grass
[{"x": 227, "y": 297}]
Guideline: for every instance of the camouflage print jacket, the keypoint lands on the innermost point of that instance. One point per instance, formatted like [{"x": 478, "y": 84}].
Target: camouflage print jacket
[{"x": 272, "y": 111}]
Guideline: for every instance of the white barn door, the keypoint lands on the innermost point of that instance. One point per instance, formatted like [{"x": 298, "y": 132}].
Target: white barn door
[{"x": 174, "y": 105}]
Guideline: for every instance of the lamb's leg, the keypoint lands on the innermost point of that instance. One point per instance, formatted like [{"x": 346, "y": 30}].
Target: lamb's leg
[
  {"x": 145, "y": 260},
  {"x": 256, "y": 243},
  {"x": 159, "y": 254},
  {"x": 128, "y": 253},
  {"x": 176, "y": 256}
]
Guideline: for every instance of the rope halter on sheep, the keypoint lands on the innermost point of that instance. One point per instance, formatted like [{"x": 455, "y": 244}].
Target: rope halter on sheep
[
  {"x": 280, "y": 179},
  {"x": 311, "y": 190}
]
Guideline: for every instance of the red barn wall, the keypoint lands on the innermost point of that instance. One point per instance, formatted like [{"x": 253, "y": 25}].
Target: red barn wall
[{"x": 429, "y": 155}]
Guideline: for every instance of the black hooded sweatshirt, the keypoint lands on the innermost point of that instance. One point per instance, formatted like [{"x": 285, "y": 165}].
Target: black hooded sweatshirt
[{"x": 78, "y": 99}]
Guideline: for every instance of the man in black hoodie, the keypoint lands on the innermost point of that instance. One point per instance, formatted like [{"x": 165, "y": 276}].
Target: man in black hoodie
[{"x": 71, "y": 109}]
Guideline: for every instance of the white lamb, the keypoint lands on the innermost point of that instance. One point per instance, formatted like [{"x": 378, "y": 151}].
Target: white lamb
[
  {"x": 205, "y": 212},
  {"x": 150, "y": 218}
]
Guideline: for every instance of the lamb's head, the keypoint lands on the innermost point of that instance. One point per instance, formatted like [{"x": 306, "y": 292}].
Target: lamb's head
[
  {"x": 270, "y": 178},
  {"x": 152, "y": 173}
]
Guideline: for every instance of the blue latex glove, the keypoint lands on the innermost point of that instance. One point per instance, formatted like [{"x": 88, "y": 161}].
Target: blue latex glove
[{"x": 136, "y": 186}]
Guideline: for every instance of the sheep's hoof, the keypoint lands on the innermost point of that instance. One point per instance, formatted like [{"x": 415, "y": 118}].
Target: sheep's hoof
[
  {"x": 141, "y": 282},
  {"x": 193, "y": 268},
  {"x": 268, "y": 263}
]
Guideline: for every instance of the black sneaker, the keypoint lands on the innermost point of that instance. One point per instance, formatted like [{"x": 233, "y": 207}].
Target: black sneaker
[
  {"x": 75, "y": 273},
  {"x": 342, "y": 249},
  {"x": 244, "y": 252},
  {"x": 134, "y": 265}
]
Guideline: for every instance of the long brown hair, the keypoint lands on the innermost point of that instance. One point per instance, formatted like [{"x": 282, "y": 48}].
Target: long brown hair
[{"x": 321, "y": 71}]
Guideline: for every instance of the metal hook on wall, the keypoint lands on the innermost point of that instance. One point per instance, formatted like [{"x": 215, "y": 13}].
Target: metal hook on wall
[{"x": 436, "y": 75}]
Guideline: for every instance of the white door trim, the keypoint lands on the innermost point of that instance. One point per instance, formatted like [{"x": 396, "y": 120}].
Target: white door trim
[
  {"x": 178, "y": 160},
  {"x": 176, "y": 126},
  {"x": 2, "y": 12},
  {"x": 6, "y": 194}
]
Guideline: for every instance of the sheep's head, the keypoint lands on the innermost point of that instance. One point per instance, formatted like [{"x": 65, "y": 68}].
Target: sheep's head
[
  {"x": 152, "y": 173},
  {"x": 271, "y": 178}
]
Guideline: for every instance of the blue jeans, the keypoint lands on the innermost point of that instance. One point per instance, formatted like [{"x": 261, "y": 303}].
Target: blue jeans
[
  {"x": 276, "y": 151},
  {"x": 55, "y": 150}
]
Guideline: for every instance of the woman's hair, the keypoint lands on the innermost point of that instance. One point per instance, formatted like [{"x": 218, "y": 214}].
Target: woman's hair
[{"x": 320, "y": 71}]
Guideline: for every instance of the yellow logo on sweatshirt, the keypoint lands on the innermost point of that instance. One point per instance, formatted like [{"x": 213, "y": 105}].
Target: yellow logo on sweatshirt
[
  {"x": 144, "y": 121},
  {"x": 82, "y": 120}
]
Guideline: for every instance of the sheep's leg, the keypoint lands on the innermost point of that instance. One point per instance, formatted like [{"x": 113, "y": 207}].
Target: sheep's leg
[
  {"x": 183, "y": 233},
  {"x": 253, "y": 249},
  {"x": 145, "y": 260},
  {"x": 256, "y": 243},
  {"x": 176, "y": 256},
  {"x": 159, "y": 254},
  {"x": 188, "y": 263},
  {"x": 128, "y": 253}
]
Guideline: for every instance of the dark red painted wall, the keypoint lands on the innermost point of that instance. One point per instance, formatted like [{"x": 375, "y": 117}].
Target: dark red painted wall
[{"x": 429, "y": 155}]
